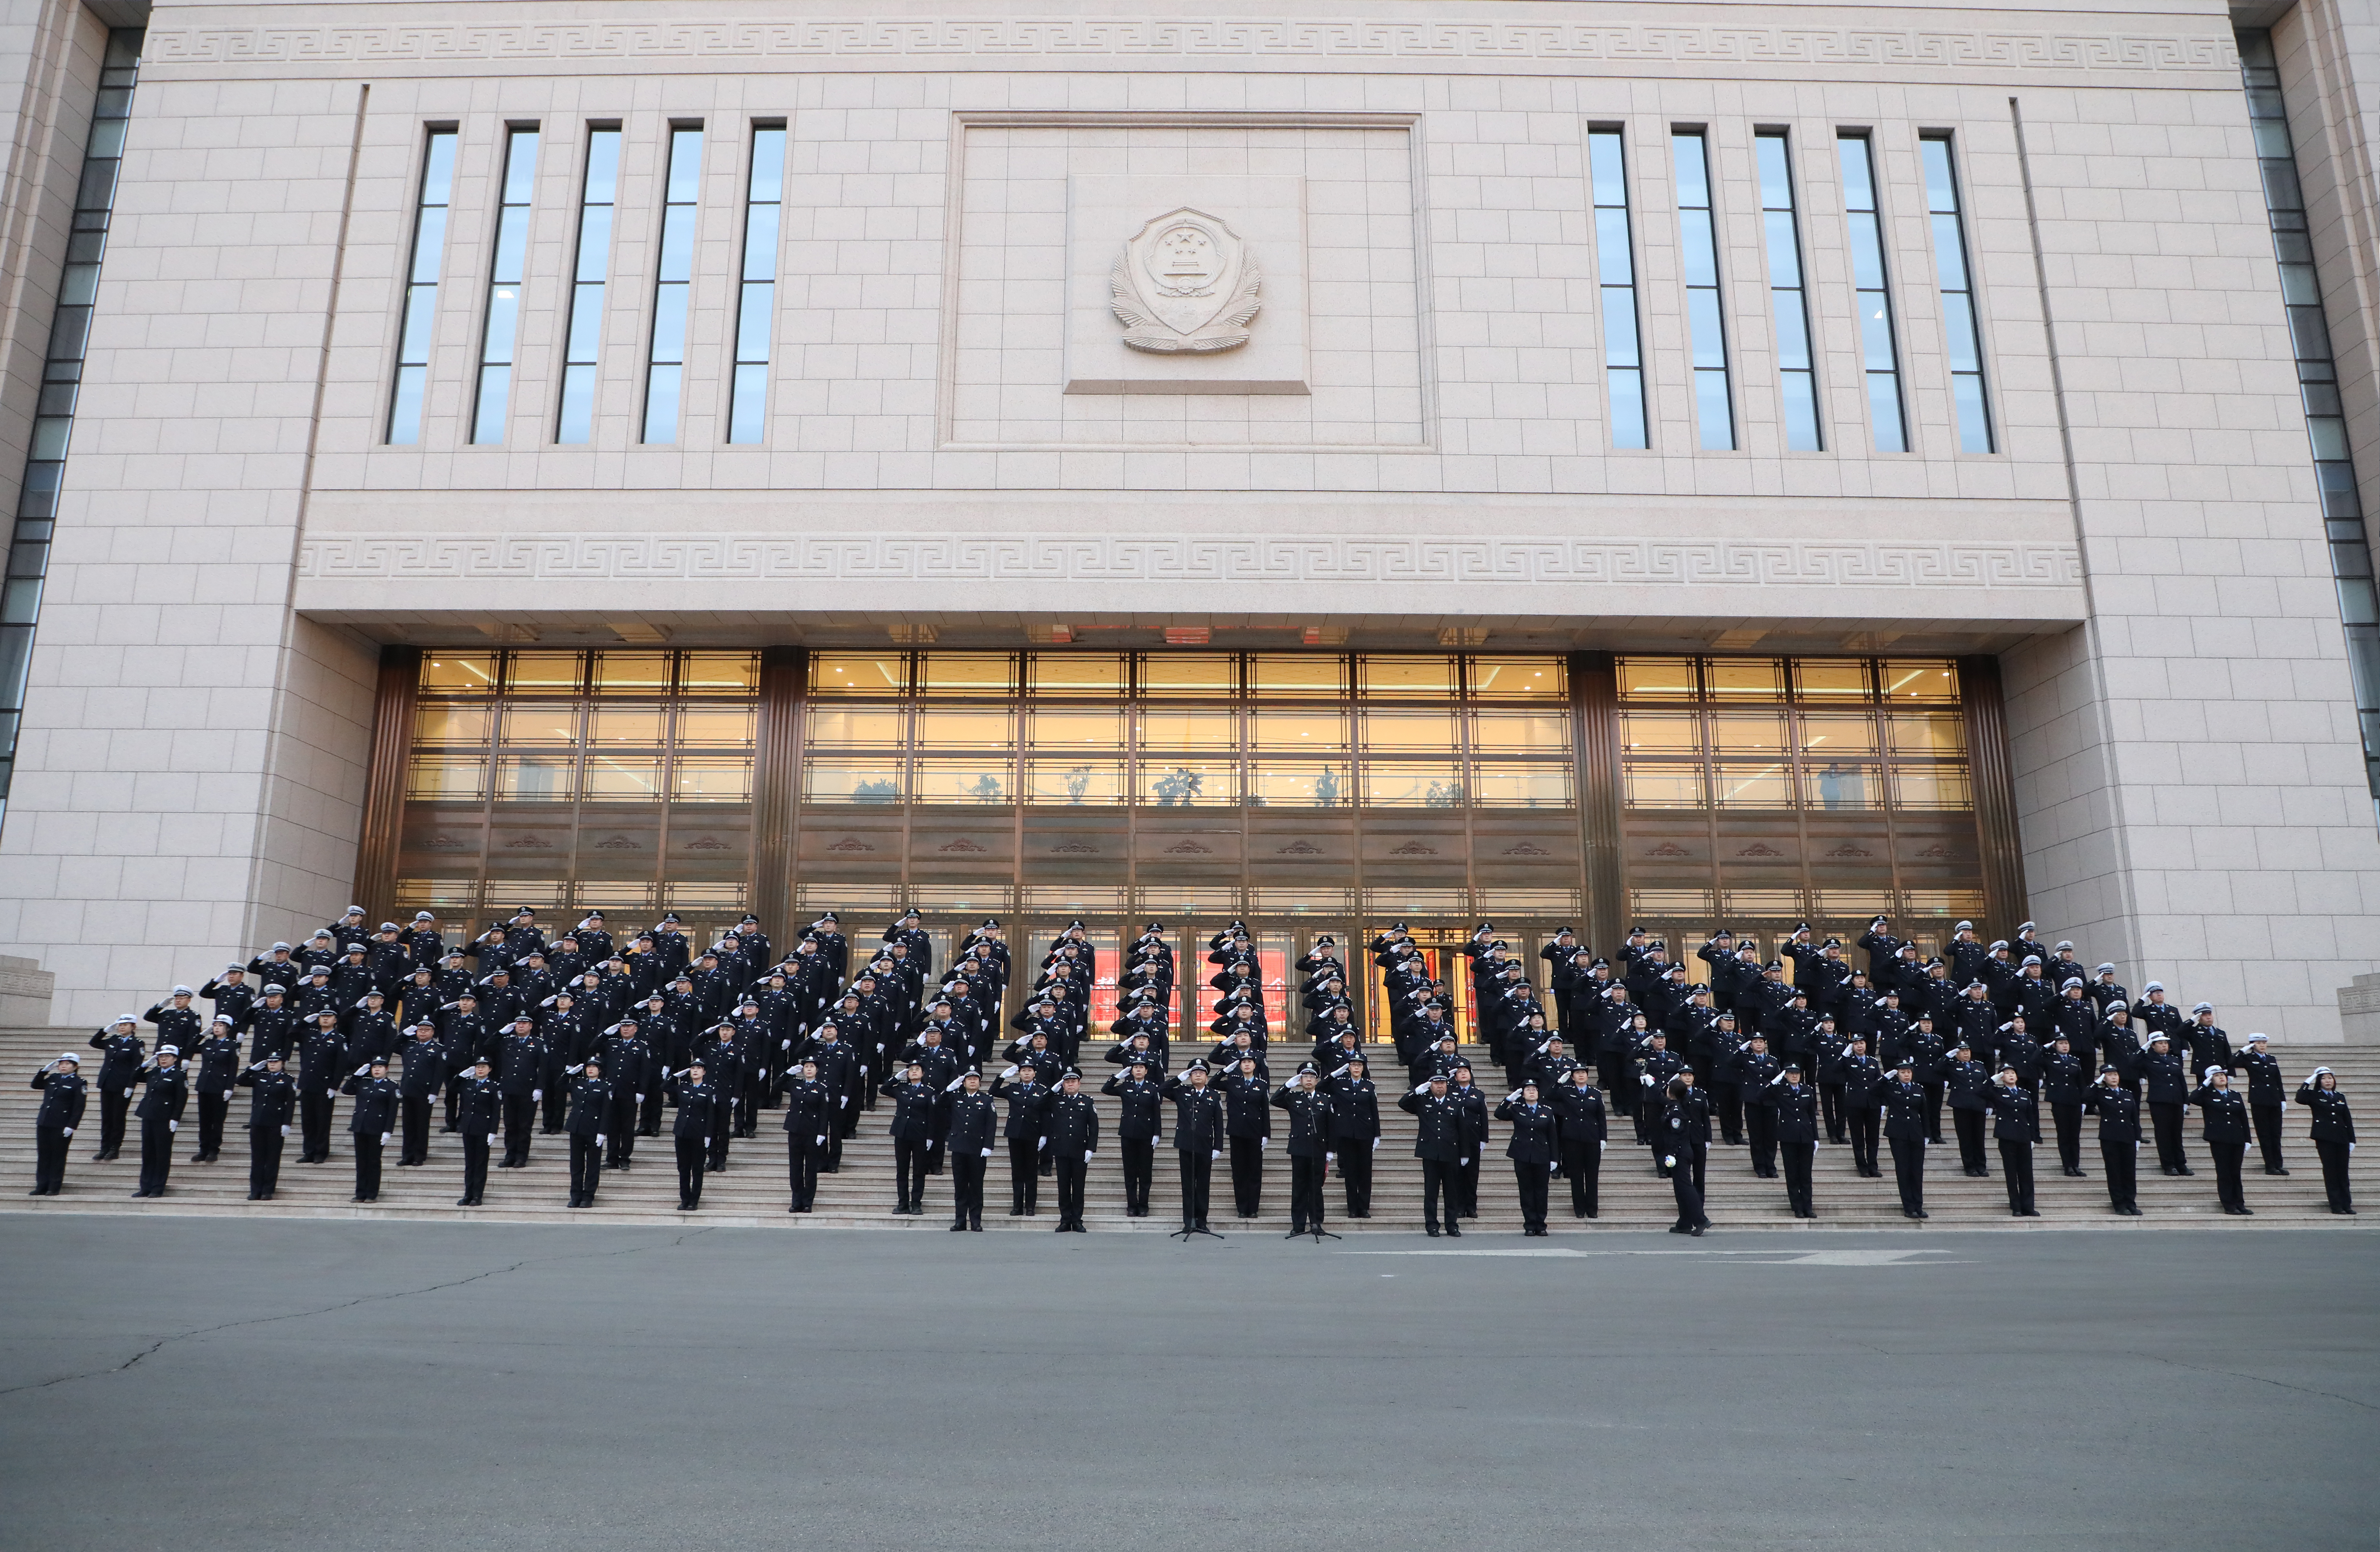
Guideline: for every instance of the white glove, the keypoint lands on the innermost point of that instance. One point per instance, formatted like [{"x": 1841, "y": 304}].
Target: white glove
[
  {"x": 227, "y": 1097},
  {"x": 821, "y": 1141},
  {"x": 784, "y": 1045},
  {"x": 1646, "y": 1079},
  {"x": 640, "y": 1098},
  {"x": 1329, "y": 1157},
  {"x": 69, "y": 1132},
  {"x": 598, "y": 1139},
  {"x": 932, "y": 1143},
  {"x": 1010, "y": 1073},
  {"x": 535, "y": 1094},
  {"x": 284, "y": 1130},
  {"x": 1087, "y": 1154},
  {"x": 1669, "y": 1161},
  {"x": 1376, "y": 1144},
  {"x": 986, "y": 1153},
  {"x": 1600, "y": 1146},
  {"x": 1262, "y": 1143},
  {"x": 362, "y": 1069},
  {"x": 491, "y": 1139},
  {"x": 383, "y": 1139},
  {"x": 843, "y": 1103},
  {"x": 173, "y": 1126},
  {"x": 1463, "y": 1161}
]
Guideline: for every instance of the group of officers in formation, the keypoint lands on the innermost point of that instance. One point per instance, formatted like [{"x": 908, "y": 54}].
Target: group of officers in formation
[{"x": 514, "y": 1034}]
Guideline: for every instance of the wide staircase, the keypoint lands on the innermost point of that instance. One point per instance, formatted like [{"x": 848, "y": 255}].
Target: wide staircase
[{"x": 753, "y": 1189}]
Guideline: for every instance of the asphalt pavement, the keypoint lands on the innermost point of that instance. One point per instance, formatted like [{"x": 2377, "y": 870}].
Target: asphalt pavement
[{"x": 199, "y": 1384}]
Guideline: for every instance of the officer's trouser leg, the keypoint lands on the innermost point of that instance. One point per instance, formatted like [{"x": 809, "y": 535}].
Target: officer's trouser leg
[
  {"x": 520, "y": 1114},
  {"x": 1023, "y": 1176},
  {"x": 1304, "y": 1193},
  {"x": 690, "y": 1152},
  {"x": 2268, "y": 1134},
  {"x": 156, "y": 1156},
  {"x": 1864, "y": 1125},
  {"x": 415, "y": 1114},
  {"x": 1466, "y": 1181},
  {"x": 1689, "y": 1195},
  {"x": 264, "y": 1145},
  {"x": 649, "y": 1115},
  {"x": 50, "y": 1161},
  {"x": 1760, "y": 1126},
  {"x": 966, "y": 1188},
  {"x": 1909, "y": 1172},
  {"x": 1583, "y": 1166},
  {"x": 475, "y": 1166},
  {"x": 1247, "y": 1175},
  {"x": 2016, "y": 1164},
  {"x": 1933, "y": 1100},
  {"x": 2227, "y": 1158},
  {"x": 1830, "y": 1105},
  {"x": 368, "y": 1147},
  {"x": 1139, "y": 1173},
  {"x": 908, "y": 1174},
  {"x": 1970, "y": 1127},
  {"x": 2334, "y": 1174},
  {"x": 1437, "y": 1183},
  {"x": 1798, "y": 1159},
  {"x": 2121, "y": 1161},
  {"x": 115, "y": 1104},
  {"x": 1072, "y": 1173},
  {"x": 585, "y": 1166},
  {"x": 1530, "y": 1181},
  {"x": 2069, "y": 1120},
  {"x": 1356, "y": 1173},
  {"x": 1729, "y": 1105},
  {"x": 212, "y": 1107},
  {"x": 314, "y": 1120},
  {"x": 454, "y": 1122},
  {"x": 2171, "y": 1154},
  {"x": 620, "y": 1130}
]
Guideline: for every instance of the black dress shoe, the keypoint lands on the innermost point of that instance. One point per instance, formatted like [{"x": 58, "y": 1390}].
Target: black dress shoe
[
  {"x": 1697, "y": 1230},
  {"x": 1433, "y": 1230},
  {"x": 256, "y": 1196},
  {"x": 2271, "y": 1170},
  {"x": 1453, "y": 1233},
  {"x": 958, "y": 1228}
]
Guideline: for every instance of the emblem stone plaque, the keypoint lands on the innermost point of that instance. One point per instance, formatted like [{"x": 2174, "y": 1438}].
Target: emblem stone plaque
[{"x": 1185, "y": 284}]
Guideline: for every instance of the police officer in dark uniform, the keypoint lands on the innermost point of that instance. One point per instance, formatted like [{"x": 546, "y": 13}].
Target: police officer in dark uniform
[
  {"x": 698, "y": 1117},
  {"x": 2334, "y": 1135},
  {"x": 417, "y": 1091},
  {"x": 1308, "y": 1145},
  {"x": 2224, "y": 1118},
  {"x": 1472, "y": 1105},
  {"x": 1685, "y": 1141},
  {"x": 973, "y": 1122},
  {"x": 2064, "y": 1088},
  {"x": 1355, "y": 1131},
  {"x": 2167, "y": 1079},
  {"x": 1969, "y": 1085},
  {"x": 271, "y": 1105},
  {"x": 1906, "y": 1110},
  {"x": 165, "y": 1089},
  {"x": 2256, "y": 1068},
  {"x": 589, "y": 1116},
  {"x": 2118, "y": 1110},
  {"x": 1534, "y": 1144},
  {"x": 120, "y": 1072},
  {"x": 1199, "y": 1128},
  {"x": 1862, "y": 1079},
  {"x": 916, "y": 1131},
  {"x": 1247, "y": 1109},
  {"x": 1074, "y": 1122},
  {"x": 479, "y": 1111},
  {"x": 1139, "y": 1125},
  {"x": 1026, "y": 1130},
  {"x": 214, "y": 1071},
  {"x": 1585, "y": 1128},
  {"x": 63, "y": 1097},
  {"x": 1794, "y": 1104},
  {"x": 1755, "y": 1073},
  {"x": 1439, "y": 1144},
  {"x": 371, "y": 1122},
  {"x": 520, "y": 1073},
  {"x": 2016, "y": 1123},
  {"x": 809, "y": 1131},
  {"x": 321, "y": 1065}
]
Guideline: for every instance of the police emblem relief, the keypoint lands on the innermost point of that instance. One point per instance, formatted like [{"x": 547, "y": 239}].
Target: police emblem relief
[{"x": 1185, "y": 284}]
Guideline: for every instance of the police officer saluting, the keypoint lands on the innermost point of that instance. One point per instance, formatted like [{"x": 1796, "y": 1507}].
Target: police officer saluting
[
  {"x": 1354, "y": 1131},
  {"x": 1439, "y": 1144},
  {"x": 63, "y": 1097},
  {"x": 1585, "y": 1128},
  {"x": 1309, "y": 1147},
  {"x": 2256, "y": 1069},
  {"x": 271, "y": 1107},
  {"x": 1198, "y": 1129},
  {"x": 165, "y": 1089},
  {"x": 1796, "y": 1106},
  {"x": 1534, "y": 1144},
  {"x": 371, "y": 1121},
  {"x": 2016, "y": 1123},
  {"x": 2118, "y": 1110},
  {"x": 2225, "y": 1118},
  {"x": 587, "y": 1121},
  {"x": 480, "y": 1113},
  {"x": 699, "y": 1114},
  {"x": 1074, "y": 1122},
  {"x": 214, "y": 1071},
  {"x": 973, "y": 1122},
  {"x": 1138, "y": 1127},
  {"x": 119, "y": 1071},
  {"x": 1907, "y": 1108},
  {"x": 916, "y": 1131}
]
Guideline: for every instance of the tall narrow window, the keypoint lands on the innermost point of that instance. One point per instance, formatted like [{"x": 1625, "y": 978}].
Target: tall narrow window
[
  {"x": 498, "y": 335},
  {"x": 674, "y": 279},
  {"x": 1964, "y": 334},
  {"x": 1624, "y": 364},
  {"x": 1796, "y": 371},
  {"x": 28, "y": 544},
  {"x": 1705, "y": 327},
  {"x": 1881, "y": 353},
  {"x": 582, "y": 350},
  {"x": 421, "y": 289},
  {"x": 2325, "y": 412},
  {"x": 756, "y": 302}
]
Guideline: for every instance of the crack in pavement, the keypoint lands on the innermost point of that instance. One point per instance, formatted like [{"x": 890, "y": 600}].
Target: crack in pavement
[
  {"x": 165, "y": 1341},
  {"x": 2234, "y": 1373}
]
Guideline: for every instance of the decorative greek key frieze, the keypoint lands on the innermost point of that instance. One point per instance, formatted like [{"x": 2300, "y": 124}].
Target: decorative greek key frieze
[
  {"x": 958, "y": 40},
  {"x": 895, "y": 557}
]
